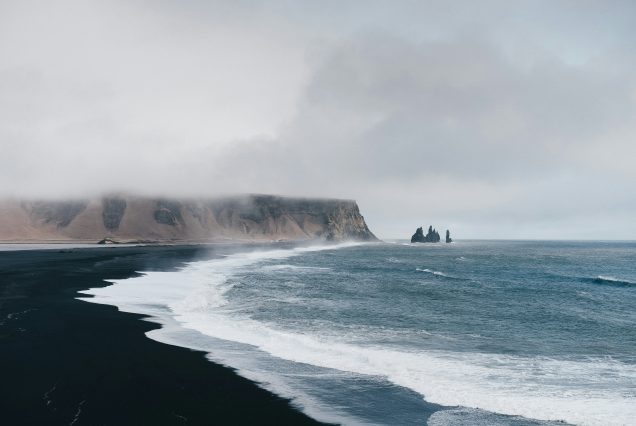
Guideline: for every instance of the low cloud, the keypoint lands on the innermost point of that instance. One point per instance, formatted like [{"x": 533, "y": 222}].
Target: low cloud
[
  {"x": 457, "y": 132},
  {"x": 457, "y": 126}
]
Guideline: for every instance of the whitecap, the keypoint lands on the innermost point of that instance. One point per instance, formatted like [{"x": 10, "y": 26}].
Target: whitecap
[
  {"x": 603, "y": 279},
  {"x": 588, "y": 392}
]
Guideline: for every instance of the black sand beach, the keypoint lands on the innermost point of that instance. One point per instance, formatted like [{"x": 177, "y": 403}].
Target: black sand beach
[{"x": 65, "y": 361}]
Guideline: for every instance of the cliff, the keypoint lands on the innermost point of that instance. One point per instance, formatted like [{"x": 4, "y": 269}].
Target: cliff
[{"x": 127, "y": 219}]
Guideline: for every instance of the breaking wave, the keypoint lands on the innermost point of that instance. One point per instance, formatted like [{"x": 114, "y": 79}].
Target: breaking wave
[
  {"x": 438, "y": 273},
  {"x": 590, "y": 391},
  {"x": 601, "y": 279}
]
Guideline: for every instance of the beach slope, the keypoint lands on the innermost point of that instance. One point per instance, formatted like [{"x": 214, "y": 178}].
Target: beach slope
[{"x": 64, "y": 361}]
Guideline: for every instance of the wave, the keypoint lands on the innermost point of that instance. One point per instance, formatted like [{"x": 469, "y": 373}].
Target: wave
[
  {"x": 439, "y": 274},
  {"x": 508, "y": 385},
  {"x": 294, "y": 268},
  {"x": 476, "y": 417},
  {"x": 201, "y": 284},
  {"x": 602, "y": 279},
  {"x": 588, "y": 391},
  {"x": 606, "y": 280}
]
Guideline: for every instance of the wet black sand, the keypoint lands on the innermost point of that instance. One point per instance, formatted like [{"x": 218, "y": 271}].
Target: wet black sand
[{"x": 65, "y": 361}]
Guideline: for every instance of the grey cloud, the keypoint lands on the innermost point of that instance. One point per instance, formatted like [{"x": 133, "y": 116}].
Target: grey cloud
[
  {"x": 437, "y": 117},
  {"x": 499, "y": 120},
  {"x": 466, "y": 105},
  {"x": 382, "y": 107},
  {"x": 96, "y": 95}
]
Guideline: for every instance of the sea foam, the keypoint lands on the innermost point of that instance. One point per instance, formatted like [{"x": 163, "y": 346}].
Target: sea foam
[{"x": 595, "y": 391}]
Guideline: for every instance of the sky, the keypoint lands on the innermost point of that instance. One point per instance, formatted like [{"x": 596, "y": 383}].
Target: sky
[{"x": 495, "y": 119}]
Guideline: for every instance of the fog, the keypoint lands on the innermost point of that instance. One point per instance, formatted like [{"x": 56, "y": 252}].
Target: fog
[{"x": 494, "y": 119}]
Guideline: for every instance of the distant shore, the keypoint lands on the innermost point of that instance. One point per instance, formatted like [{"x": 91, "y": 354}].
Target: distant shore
[
  {"x": 149, "y": 242},
  {"x": 77, "y": 244},
  {"x": 65, "y": 361}
]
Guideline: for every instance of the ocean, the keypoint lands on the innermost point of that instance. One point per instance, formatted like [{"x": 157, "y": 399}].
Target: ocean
[{"x": 474, "y": 332}]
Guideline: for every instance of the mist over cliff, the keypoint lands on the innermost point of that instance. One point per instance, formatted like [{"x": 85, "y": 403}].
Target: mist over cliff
[
  {"x": 516, "y": 118},
  {"x": 125, "y": 218}
]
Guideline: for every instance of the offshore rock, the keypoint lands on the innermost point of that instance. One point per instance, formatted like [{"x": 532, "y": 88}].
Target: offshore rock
[
  {"x": 432, "y": 236},
  {"x": 418, "y": 237},
  {"x": 448, "y": 237}
]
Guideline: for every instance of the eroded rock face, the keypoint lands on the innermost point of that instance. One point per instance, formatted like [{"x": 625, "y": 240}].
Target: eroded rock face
[
  {"x": 125, "y": 218},
  {"x": 113, "y": 210},
  {"x": 448, "y": 237},
  {"x": 168, "y": 212},
  {"x": 59, "y": 213},
  {"x": 346, "y": 222}
]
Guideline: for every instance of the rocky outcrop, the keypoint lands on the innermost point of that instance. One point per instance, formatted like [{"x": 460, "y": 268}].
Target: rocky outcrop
[
  {"x": 107, "y": 241},
  {"x": 57, "y": 213},
  {"x": 418, "y": 237},
  {"x": 125, "y": 218},
  {"x": 448, "y": 237},
  {"x": 168, "y": 212},
  {"x": 431, "y": 237},
  {"x": 112, "y": 212}
]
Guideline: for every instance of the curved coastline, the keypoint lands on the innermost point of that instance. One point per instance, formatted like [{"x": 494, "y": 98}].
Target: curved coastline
[
  {"x": 224, "y": 350},
  {"x": 205, "y": 284},
  {"x": 70, "y": 362},
  {"x": 172, "y": 332}
]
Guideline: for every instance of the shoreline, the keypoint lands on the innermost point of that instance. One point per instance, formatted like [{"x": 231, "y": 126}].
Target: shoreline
[
  {"x": 229, "y": 241},
  {"x": 71, "y": 362},
  {"x": 166, "y": 243}
]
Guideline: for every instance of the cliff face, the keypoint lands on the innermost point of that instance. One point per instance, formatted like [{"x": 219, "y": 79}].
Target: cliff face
[{"x": 124, "y": 218}]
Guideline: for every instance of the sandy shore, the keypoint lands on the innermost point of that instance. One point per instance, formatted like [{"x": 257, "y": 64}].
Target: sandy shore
[{"x": 65, "y": 361}]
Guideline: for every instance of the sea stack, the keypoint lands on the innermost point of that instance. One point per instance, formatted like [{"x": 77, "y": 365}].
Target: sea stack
[
  {"x": 431, "y": 237},
  {"x": 448, "y": 237},
  {"x": 418, "y": 237}
]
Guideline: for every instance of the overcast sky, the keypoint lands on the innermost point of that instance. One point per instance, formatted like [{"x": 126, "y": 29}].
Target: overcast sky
[{"x": 496, "y": 119}]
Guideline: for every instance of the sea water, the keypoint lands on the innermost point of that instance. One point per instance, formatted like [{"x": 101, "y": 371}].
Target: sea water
[{"x": 474, "y": 332}]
